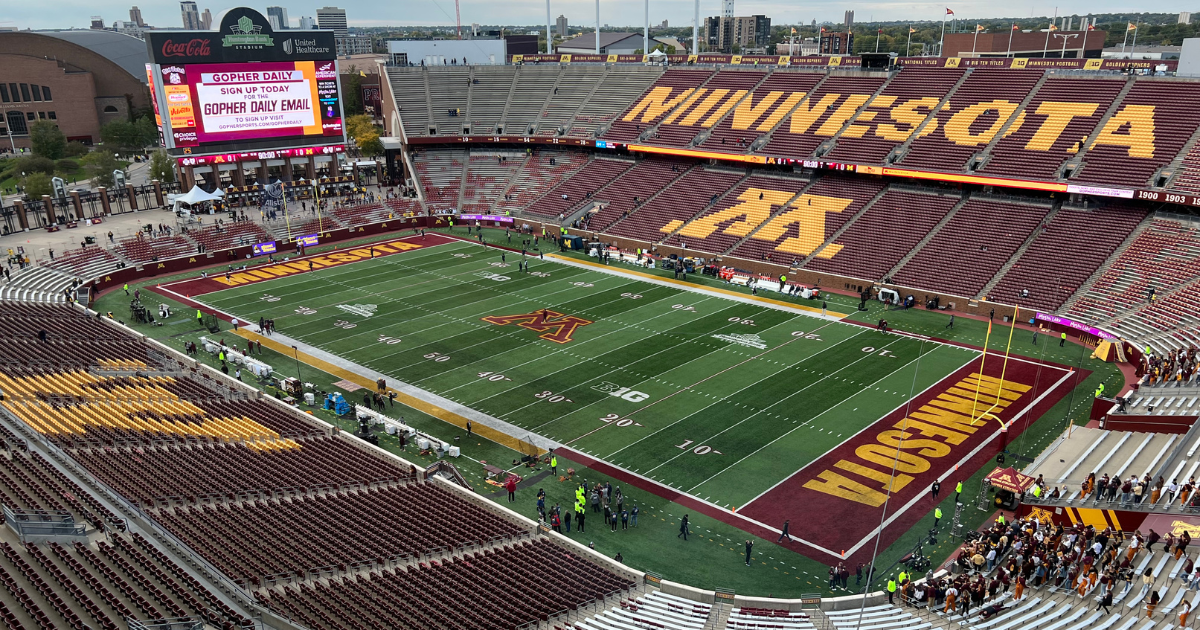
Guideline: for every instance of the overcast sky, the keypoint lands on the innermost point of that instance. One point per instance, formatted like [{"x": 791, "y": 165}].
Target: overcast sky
[{"x": 77, "y": 13}]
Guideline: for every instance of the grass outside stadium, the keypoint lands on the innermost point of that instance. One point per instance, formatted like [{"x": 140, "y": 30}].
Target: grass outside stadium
[{"x": 694, "y": 397}]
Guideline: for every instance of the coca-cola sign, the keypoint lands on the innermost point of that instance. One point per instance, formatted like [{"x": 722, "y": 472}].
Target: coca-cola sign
[{"x": 196, "y": 47}]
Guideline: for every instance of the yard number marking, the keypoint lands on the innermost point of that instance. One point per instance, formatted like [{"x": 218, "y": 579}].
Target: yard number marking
[
  {"x": 883, "y": 353},
  {"x": 550, "y": 396},
  {"x": 343, "y": 324},
  {"x": 738, "y": 320},
  {"x": 703, "y": 449},
  {"x": 811, "y": 335},
  {"x": 267, "y": 297},
  {"x": 494, "y": 376},
  {"x": 632, "y": 296},
  {"x": 391, "y": 341},
  {"x": 437, "y": 356},
  {"x": 683, "y": 307},
  {"x": 615, "y": 418},
  {"x": 304, "y": 310}
]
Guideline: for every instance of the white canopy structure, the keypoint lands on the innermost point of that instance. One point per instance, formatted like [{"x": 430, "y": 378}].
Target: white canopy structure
[{"x": 196, "y": 195}]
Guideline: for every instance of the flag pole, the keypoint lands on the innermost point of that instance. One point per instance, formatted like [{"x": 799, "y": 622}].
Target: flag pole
[
  {"x": 1010, "y": 34},
  {"x": 908, "y": 48},
  {"x": 1126, "y": 41},
  {"x": 1047, "y": 44},
  {"x": 975, "y": 41},
  {"x": 1136, "y": 28},
  {"x": 878, "y": 32},
  {"x": 942, "y": 42}
]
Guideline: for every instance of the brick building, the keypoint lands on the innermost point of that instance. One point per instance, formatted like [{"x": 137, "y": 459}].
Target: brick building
[{"x": 43, "y": 77}]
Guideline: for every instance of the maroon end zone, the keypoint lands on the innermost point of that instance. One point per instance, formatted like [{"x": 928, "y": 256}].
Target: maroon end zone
[
  {"x": 217, "y": 281},
  {"x": 835, "y": 503}
]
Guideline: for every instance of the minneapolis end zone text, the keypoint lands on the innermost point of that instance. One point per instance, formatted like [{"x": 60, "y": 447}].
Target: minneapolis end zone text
[{"x": 932, "y": 439}]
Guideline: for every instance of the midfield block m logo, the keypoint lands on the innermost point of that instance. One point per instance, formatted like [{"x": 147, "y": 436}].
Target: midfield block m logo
[{"x": 554, "y": 326}]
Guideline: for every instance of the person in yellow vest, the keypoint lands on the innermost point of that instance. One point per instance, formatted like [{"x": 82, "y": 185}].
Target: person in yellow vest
[
  {"x": 1000, "y": 519},
  {"x": 957, "y": 491},
  {"x": 1100, "y": 390},
  {"x": 199, "y": 315},
  {"x": 1062, "y": 340},
  {"x": 902, "y": 578},
  {"x": 937, "y": 516},
  {"x": 126, "y": 287},
  {"x": 891, "y": 586},
  {"x": 1037, "y": 491},
  {"x": 553, "y": 464}
]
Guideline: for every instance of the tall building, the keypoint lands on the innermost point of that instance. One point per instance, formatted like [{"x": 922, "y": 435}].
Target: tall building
[
  {"x": 135, "y": 16},
  {"x": 307, "y": 23},
  {"x": 354, "y": 45},
  {"x": 751, "y": 32},
  {"x": 561, "y": 26},
  {"x": 206, "y": 20},
  {"x": 333, "y": 19},
  {"x": 278, "y": 18},
  {"x": 663, "y": 25},
  {"x": 191, "y": 15},
  {"x": 1185, "y": 17},
  {"x": 848, "y": 21},
  {"x": 836, "y": 43},
  {"x": 727, "y": 8}
]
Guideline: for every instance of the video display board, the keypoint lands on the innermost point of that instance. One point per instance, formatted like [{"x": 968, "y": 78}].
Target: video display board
[
  {"x": 245, "y": 87},
  {"x": 211, "y": 104}
]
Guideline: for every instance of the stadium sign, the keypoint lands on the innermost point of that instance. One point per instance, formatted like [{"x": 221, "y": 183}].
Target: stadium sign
[{"x": 244, "y": 35}]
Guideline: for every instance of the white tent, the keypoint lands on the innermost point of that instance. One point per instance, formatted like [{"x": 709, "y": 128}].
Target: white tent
[{"x": 197, "y": 195}]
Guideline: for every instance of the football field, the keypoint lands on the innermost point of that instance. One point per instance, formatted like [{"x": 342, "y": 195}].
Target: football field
[{"x": 750, "y": 409}]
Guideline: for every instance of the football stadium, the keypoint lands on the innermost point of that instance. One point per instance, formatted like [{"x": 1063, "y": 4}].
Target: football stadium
[{"x": 615, "y": 341}]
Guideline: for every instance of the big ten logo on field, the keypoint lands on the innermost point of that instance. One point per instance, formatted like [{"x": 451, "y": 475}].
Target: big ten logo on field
[
  {"x": 624, "y": 393},
  {"x": 754, "y": 209},
  {"x": 900, "y": 453},
  {"x": 893, "y": 118},
  {"x": 553, "y": 325}
]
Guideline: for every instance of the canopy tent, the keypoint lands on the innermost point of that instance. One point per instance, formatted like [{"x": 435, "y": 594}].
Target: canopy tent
[
  {"x": 1009, "y": 479},
  {"x": 197, "y": 195}
]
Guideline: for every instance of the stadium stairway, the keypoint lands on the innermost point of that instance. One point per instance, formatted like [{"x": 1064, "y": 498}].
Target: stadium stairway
[
  {"x": 36, "y": 284},
  {"x": 846, "y": 226},
  {"x": 1108, "y": 264},
  {"x": 983, "y": 155},
  {"x": 1000, "y": 273},
  {"x": 929, "y": 236},
  {"x": 903, "y": 148}
]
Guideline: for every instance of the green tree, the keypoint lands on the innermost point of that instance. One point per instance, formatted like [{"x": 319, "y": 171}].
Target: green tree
[
  {"x": 47, "y": 140},
  {"x": 360, "y": 125},
  {"x": 161, "y": 167},
  {"x": 34, "y": 164},
  {"x": 36, "y": 185},
  {"x": 370, "y": 144},
  {"x": 352, "y": 92},
  {"x": 100, "y": 166},
  {"x": 75, "y": 149},
  {"x": 127, "y": 137}
]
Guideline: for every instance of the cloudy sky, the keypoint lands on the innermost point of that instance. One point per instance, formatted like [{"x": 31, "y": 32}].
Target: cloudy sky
[{"x": 77, "y": 13}]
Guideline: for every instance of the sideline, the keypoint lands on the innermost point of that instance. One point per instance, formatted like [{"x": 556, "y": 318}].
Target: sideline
[
  {"x": 687, "y": 286},
  {"x": 420, "y": 400}
]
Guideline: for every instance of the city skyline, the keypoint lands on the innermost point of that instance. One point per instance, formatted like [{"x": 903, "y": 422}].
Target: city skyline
[{"x": 580, "y": 13}]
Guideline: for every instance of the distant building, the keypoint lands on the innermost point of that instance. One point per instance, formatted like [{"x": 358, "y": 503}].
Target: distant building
[
  {"x": 135, "y": 16},
  {"x": 278, "y": 18},
  {"x": 670, "y": 42},
  {"x": 191, "y": 16},
  {"x": 334, "y": 19},
  {"x": 129, "y": 28},
  {"x": 1080, "y": 44},
  {"x": 1142, "y": 52},
  {"x": 307, "y": 23},
  {"x": 748, "y": 32},
  {"x": 848, "y": 21},
  {"x": 561, "y": 26},
  {"x": 610, "y": 44},
  {"x": 78, "y": 79},
  {"x": 206, "y": 20},
  {"x": 1185, "y": 17},
  {"x": 353, "y": 45},
  {"x": 663, "y": 25},
  {"x": 806, "y": 48},
  {"x": 836, "y": 43}
]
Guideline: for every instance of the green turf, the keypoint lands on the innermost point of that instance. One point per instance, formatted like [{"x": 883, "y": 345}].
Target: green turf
[
  {"x": 653, "y": 546},
  {"x": 719, "y": 420}
]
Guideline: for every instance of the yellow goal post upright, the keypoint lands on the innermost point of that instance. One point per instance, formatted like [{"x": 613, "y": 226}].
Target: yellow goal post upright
[{"x": 1003, "y": 370}]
